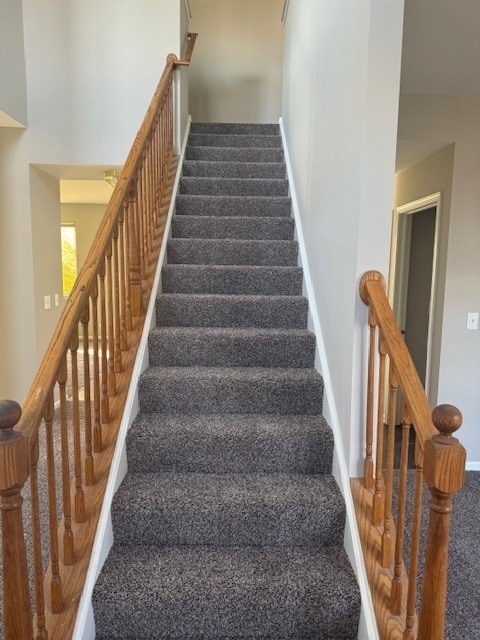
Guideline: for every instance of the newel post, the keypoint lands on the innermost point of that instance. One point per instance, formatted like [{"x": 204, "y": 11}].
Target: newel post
[
  {"x": 14, "y": 469},
  {"x": 444, "y": 471}
]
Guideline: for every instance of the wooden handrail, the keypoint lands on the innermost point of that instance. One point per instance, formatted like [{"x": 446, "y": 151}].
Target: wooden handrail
[
  {"x": 439, "y": 460},
  {"x": 185, "y": 61},
  {"x": 108, "y": 298},
  {"x": 372, "y": 293}
]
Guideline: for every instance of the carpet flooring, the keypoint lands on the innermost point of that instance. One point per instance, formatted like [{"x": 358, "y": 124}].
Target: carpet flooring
[{"x": 229, "y": 523}]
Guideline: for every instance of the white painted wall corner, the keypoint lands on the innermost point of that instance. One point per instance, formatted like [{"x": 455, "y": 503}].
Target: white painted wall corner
[{"x": 368, "y": 626}]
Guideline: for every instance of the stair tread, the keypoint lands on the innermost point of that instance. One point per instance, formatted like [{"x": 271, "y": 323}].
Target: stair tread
[
  {"x": 192, "y": 592},
  {"x": 231, "y": 443},
  {"x": 240, "y": 509},
  {"x": 242, "y": 227}
]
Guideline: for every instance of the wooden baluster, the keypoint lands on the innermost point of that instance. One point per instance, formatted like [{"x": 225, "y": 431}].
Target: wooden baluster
[
  {"x": 104, "y": 403},
  {"x": 127, "y": 214},
  {"x": 112, "y": 383},
  {"x": 97, "y": 423},
  {"x": 387, "y": 526},
  {"x": 37, "y": 543},
  {"x": 122, "y": 287},
  {"x": 89, "y": 466},
  {"x": 415, "y": 545},
  {"x": 147, "y": 212},
  {"x": 368, "y": 464},
  {"x": 116, "y": 300},
  {"x": 79, "y": 509},
  {"x": 444, "y": 474},
  {"x": 396, "y": 594},
  {"x": 68, "y": 540},
  {"x": 378, "y": 497},
  {"x": 134, "y": 258},
  {"x": 156, "y": 190},
  {"x": 56, "y": 588},
  {"x": 14, "y": 470},
  {"x": 141, "y": 210}
]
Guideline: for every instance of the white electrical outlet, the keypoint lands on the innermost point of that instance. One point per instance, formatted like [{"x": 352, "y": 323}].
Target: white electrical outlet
[
  {"x": 57, "y": 299},
  {"x": 472, "y": 321},
  {"x": 47, "y": 302}
]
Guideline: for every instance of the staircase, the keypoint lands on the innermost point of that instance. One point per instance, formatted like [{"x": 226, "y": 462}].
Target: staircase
[{"x": 229, "y": 523}]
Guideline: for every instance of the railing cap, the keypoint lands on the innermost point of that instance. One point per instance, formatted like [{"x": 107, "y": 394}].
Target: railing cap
[
  {"x": 10, "y": 414},
  {"x": 369, "y": 276},
  {"x": 447, "y": 419}
]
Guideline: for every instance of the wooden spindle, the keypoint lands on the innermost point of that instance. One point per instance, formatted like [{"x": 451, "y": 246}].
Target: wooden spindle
[
  {"x": 387, "y": 525},
  {"x": 56, "y": 587},
  {"x": 89, "y": 465},
  {"x": 368, "y": 463},
  {"x": 122, "y": 282},
  {"x": 444, "y": 474},
  {"x": 97, "y": 423},
  {"x": 396, "y": 593},
  {"x": 68, "y": 539},
  {"x": 111, "y": 381},
  {"x": 79, "y": 508},
  {"x": 408, "y": 633},
  {"x": 141, "y": 211},
  {"x": 37, "y": 543},
  {"x": 116, "y": 301},
  {"x": 134, "y": 257},
  {"x": 378, "y": 497},
  {"x": 104, "y": 400},
  {"x": 14, "y": 471}
]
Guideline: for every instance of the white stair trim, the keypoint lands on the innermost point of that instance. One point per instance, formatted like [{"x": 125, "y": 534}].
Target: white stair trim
[
  {"x": 85, "y": 624},
  {"x": 368, "y": 626}
]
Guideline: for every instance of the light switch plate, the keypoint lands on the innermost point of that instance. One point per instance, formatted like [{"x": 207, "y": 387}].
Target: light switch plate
[
  {"x": 47, "y": 302},
  {"x": 57, "y": 299},
  {"x": 472, "y": 321}
]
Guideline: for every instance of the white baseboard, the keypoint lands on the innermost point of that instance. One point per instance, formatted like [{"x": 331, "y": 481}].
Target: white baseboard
[
  {"x": 85, "y": 624},
  {"x": 368, "y": 626},
  {"x": 472, "y": 466}
]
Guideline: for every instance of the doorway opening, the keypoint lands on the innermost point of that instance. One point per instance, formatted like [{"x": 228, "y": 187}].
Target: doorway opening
[{"x": 412, "y": 286}]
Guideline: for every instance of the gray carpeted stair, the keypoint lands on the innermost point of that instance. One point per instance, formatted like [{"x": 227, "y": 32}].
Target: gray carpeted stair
[{"x": 229, "y": 524}]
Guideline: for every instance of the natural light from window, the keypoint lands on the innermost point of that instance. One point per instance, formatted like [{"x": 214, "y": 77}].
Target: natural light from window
[{"x": 69, "y": 258}]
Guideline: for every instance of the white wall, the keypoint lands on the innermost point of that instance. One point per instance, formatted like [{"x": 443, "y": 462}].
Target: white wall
[
  {"x": 47, "y": 139},
  {"x": 118, "y": 51},
  {"x": 13, "y": 86},
  {"x": 340, "y": 104},
  {"x": 237, "y": 72},
  {"x": 91, "y": 69},
  {"x": 456, "y": 118}
]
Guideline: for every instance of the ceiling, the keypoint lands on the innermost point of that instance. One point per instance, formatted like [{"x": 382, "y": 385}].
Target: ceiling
[
  {"x": 441, "y": 47},
  {"x": 441, "y": 55},
  {"x": 81, "y": 184}
]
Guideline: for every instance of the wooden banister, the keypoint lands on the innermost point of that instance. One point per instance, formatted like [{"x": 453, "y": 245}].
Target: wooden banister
[
  {"x": 87, "y": 368},
  {"x": 439, "y": 460}
]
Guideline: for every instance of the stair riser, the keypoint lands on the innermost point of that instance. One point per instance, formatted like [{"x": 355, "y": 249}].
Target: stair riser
[
  {"x": 167, "y": 395},
  {"x": 215, "y": 521},
  {"x": 230, "y": 351},
  {"x": 234, "y": 154},
  {"x": 159, "y": 443},
  {"x": 230, "y": 227},
  {"x": 232, "y": 206},
  {"x": 233, "y": 140},
  {"x": 285, "y": 281},
  {"x": 235, "y": 128},
  {"x": 233, "y": 187},
  {"x": 190, "y": 311},
  {"x": 232, "y": 252},
  {"x": 270, "y": 170}
]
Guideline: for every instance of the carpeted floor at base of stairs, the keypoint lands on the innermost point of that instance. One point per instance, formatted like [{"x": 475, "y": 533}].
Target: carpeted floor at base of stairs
[{"x": 229, "y": 524}]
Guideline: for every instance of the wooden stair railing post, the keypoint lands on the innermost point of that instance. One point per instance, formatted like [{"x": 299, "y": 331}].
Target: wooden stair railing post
[
  {"x": 444, "y": 471},
  {"x": 14, "y": 471},
  {"x": 134, "y": 256}
]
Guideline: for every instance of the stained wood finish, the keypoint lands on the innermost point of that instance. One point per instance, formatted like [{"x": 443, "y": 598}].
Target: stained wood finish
[
  {"x": 439, "y": 458},
  {"x": 104, "y": 299}
]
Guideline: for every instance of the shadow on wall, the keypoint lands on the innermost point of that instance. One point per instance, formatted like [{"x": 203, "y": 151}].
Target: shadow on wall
[{"x": 241, "y": 98}]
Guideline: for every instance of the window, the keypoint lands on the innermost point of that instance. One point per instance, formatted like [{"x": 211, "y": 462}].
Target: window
[{"x": 69, "y": 258}]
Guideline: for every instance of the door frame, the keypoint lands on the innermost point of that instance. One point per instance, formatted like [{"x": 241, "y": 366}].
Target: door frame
[{"x": 398, "y": 282}]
